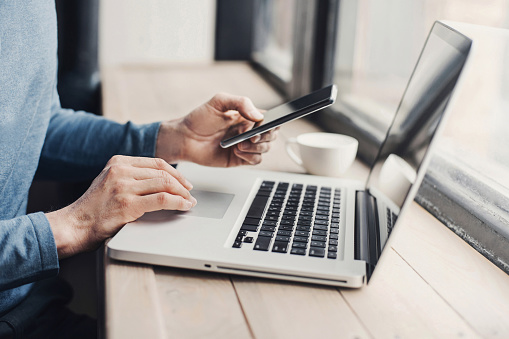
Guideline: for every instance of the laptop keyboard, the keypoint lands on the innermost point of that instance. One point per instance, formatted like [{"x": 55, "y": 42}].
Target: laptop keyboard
[
  {"x": 301, "y": 220},
  {"x": 391, "y": 220}
]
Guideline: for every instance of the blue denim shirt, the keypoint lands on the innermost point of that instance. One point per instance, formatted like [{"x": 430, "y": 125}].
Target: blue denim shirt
[{"x": 39, "y": 138}]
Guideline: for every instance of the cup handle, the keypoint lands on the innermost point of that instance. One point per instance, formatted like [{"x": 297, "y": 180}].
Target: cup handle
[{"x": 291, "y": 153}]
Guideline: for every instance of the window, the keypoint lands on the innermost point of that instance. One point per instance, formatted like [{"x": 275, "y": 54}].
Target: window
[
  {"x": 283, "y": 43},
  {"x": 377, "y": 45}
]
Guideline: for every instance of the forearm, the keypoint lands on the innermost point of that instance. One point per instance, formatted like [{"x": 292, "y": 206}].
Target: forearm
[
  {"x": 79, "y": 144},
  {"x": 27, "y": 250}
]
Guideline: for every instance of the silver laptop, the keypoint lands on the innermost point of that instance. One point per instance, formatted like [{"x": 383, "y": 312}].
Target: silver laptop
[{"x": 301, "y": 227}]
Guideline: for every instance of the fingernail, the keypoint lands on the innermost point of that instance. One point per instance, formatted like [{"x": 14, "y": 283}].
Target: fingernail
[
  {"x": 188, "y": 205},
  {"x": 194, "y": 201},
  {"x": 257, "y": 114},
  {"x": 188, "y": 184}
]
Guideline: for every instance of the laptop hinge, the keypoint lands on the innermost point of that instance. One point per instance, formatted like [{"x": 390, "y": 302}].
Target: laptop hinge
[{"x": 367, "y": 233}]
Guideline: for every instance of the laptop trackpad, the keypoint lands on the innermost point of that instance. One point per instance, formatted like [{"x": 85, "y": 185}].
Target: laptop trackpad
[{"x": 210, "y": 204}]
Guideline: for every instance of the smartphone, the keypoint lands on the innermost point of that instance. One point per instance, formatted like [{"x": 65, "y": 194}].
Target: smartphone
[{"x": 292, "y": 110}]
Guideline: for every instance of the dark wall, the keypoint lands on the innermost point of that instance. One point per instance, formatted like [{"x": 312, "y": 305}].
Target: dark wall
[
  {"x": 78, "y": 71},
  {"x": 234, "y": 29}
]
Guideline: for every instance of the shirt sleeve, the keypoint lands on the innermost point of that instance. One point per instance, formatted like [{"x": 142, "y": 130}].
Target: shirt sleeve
[
  {"x": 79, "y": 144},
  {"x": 27, "y": 250}
]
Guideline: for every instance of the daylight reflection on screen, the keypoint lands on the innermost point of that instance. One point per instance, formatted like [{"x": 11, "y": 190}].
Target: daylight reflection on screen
[{"x": 415, "y": 123}]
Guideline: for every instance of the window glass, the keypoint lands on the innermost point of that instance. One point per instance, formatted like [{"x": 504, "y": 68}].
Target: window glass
[
  {"x": 273, "y": 40},
  {"x": 378, "y": 43}
]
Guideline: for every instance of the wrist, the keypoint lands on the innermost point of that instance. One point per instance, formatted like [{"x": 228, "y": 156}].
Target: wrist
[
  {"x": 170, "y": 141},
  {"x": 62, "y": 225}
]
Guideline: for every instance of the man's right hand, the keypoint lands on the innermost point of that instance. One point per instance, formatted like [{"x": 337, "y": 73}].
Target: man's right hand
[{"x": 126, "y": 189}]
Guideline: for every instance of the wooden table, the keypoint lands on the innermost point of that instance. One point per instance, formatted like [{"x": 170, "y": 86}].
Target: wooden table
[{"x": 428, "y": 284}]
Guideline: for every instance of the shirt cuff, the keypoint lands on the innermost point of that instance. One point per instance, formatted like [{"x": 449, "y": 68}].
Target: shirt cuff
[
  {"x": 148, "y": 134},
  {"x": 47, "y": 245}
]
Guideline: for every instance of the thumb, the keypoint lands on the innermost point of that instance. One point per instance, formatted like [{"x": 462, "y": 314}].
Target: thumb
[{"x": 225, "y": 102}]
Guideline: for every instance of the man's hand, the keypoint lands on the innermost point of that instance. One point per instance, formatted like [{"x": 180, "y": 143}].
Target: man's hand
[
  {"x": 126, "y": 189},
  {"x": 196, "y": 137}
]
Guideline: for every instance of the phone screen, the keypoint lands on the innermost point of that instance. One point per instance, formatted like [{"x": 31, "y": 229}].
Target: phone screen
[{"x": 289, "y": 111}]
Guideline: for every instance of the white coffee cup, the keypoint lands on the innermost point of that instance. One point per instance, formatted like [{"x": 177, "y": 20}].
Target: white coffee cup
[{"x": 326, "y": 154}]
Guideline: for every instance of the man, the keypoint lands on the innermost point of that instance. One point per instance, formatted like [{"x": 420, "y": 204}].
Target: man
[{"x": 40, "y": 139}]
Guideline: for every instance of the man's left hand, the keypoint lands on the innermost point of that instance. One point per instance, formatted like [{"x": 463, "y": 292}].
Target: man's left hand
[{"x": 196, "y": 137}]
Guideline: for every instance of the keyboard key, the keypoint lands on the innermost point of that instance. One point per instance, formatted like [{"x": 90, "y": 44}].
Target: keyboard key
[
  {"x": 251, "y": 221},
  {"x": 242, "y": 233},
  {"x": 282, "y": 238},
  {"x": 269, "y": 223},
  {"x": 266, "y": 234},
  {"x": 333, "y": 248},
  {"x": 298, "y": 251},
  {"x": 280, "y": 246},
  {"x": 320, "y": 227},
  {"x": 300, "y": 239},
  {"x": 286, "y": 227},
  {"x": 319, "y": 232},
  {"x": 322, "y": 217},
  {"x": 268, "y": 228},
  {"x": 250, "y": 228},
  {"x": 249, "y": 240},
  {"x": 263, "y": 193},
  {"x": 332, "y": 255},
  {"x": 333, "y": 236},
  {"x": 237, "y": 244},
  {"x": 299, "y": 245},
  {"x": 262, "y": 243},
  {"x": 257, "y": 207},
  {"x": 321, "y": 222},
  {"x": 302, "y": 234},
  {"x": 318, "y": 238},
  {"x": 303, "y": 222},
  {"x": 316, "y": 252},
  {"x": 334, "y": 230},
  {"x": 303, "y": 228},
  {"x": 286, "y": 233},
  {"x": 333, "y": 242},
  {"x": 320, "y": 244}
]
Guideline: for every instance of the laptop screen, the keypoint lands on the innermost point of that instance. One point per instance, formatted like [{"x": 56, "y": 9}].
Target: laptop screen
[{"x": 401, "y": 155}]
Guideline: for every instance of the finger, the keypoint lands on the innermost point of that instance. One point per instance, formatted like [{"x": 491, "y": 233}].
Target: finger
[
  {"x": 267, "y": 136},
  {"x": 224, "y": 102},
  {"x": 163, "y": 201},
  {"x": 160, "y": 164},
  {"x": 157, "y": 185},
  {"x": 249, "y": 147},
  {"x": 250, "y": 158}
]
